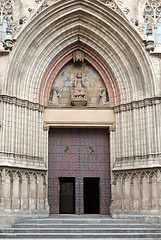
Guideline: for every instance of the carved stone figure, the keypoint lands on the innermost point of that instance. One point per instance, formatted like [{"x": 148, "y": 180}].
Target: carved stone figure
[
  {"x": 79, "y": 94},
  {"x": 78, "y": 56},
  {"x": 9, "y": 18},
  {"x": 149, "y": 32},
  {"x": 103, "y": 96},
  {"x": 54, "y": 96},
  {"x": 8, "y": 42}
]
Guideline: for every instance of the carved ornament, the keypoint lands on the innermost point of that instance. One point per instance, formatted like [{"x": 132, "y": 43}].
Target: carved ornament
[
  {"x": 137, "y": 104},
  {"x": 22, "y": 103},
  {"x": 113, "y": 5},
  {"x": 78, "y": 56}
]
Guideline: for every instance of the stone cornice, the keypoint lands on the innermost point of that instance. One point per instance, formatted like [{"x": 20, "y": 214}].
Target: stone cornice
[
  {"x": 137, "y": 104},
  {"x": 22, "y": 103}
]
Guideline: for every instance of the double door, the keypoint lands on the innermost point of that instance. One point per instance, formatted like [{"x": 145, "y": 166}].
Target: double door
[
  {"x": 79, "y": 171},
  {"x": 91, "y": 195}
]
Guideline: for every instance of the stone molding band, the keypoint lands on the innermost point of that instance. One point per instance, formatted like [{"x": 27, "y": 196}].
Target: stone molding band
[
  {"x": 135, "y": 159},
  {"x": 23, "y": 156},
  {"x": 120, "y": 108},
  {"x": 22, "y": 103},
  {"x": 137, "y": 104}
]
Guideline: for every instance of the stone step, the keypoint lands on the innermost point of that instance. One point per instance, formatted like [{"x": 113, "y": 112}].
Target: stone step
[
  {"x": 78, "y": 225},
  {"x": 81, "y": 221},
  {"x": 80, "y": 235},
  {"x": 82, "y": 230},
  {"x": 84, "y": 238}
]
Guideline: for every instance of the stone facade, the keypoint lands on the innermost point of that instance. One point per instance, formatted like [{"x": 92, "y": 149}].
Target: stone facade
[{"x": 114, "y": 39}]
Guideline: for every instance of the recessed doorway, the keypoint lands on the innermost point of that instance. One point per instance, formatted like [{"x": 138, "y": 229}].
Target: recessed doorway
[
  {"x": 91, "y": 196},
  {"x": 67, "y": 195}
]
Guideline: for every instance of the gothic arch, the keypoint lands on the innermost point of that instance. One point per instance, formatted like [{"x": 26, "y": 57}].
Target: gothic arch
[{"x": 103, "y": 30}]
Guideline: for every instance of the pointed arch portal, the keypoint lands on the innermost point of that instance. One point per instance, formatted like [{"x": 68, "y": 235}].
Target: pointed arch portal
[{"x": 72, "y": 144}]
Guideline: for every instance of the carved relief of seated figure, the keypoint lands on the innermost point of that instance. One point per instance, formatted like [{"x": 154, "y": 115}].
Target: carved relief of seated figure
[
  {"x": 79, "y": 91},
  {"x": 78, "y": 96}
]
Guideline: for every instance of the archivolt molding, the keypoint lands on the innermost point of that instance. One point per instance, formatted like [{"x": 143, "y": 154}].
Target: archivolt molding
[{"x": 100, "y": 28}]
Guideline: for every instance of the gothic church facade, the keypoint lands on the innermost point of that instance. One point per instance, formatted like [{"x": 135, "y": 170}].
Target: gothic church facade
[{"x": 80, "y": 107}]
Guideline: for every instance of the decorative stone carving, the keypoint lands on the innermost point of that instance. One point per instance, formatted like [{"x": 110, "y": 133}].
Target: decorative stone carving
[
  {"x": 43, "y": 5},
  {"x": 23, "y": 20},
  {"x": 31, "y": 10},
  {"x": 149, "y": 32},
  {"x": 78, "y": 56},
  {"x": 46, "y": 127},
  {"x": 112, "y": 4},
  {"x": 126, "y": 10},
  {"x": 112, "y": 128},
  {"x": 21, "y": 103},
  {"x": 54, "y": 96},
  {"x": 120, "y": 2},
  {"x": 138, "y": 104},
  {"x": 151, "y": 16},
  {"x": 16, "y": 28},
  {"x": 38, "y": 1},
  {"x": 103, "y": 97},
  {"x": 78, "y": 84},
  {"x": 8, "y": 42},
  {"x": 134, "y": 20},
  {"x": 79, "y": 93}
]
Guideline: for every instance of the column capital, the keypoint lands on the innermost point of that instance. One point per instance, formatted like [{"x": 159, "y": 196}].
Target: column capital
[
  {"x": 46, "y": 127},
  {"x": 112, "y": 128}
]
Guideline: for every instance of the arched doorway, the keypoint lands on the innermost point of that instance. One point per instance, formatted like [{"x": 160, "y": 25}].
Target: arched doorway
[{"x": 79, "y": 156}]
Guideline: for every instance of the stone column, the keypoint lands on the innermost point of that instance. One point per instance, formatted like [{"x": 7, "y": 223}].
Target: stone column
[
  {"x": 112, "y": 130},
  {"x": 154, "y": 193},
  {"x": 45, "y": 153},
  {"x": 159, "y": 190},
  {"x": 24, "y": 195},
  {"x": 16, "y": 193},
  {"x": 7, "y": 191},
  {"x": 119, "y": 194},
  {"x": 145, "y": 193},
  {"x": 136, "y": 193},
  {"x": 40, "y": 193},
  {"x": 33, "y": 193},
  {"x": 127, "y": 193}
]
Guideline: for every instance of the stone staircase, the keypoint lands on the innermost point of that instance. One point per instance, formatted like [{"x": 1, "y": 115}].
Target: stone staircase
[{"x": 75, "y": 227}]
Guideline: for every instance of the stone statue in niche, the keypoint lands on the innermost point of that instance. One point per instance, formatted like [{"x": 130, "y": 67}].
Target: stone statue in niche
[{"x": 79, "y": 93}]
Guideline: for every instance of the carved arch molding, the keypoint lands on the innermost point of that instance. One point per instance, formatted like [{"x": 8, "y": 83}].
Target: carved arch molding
[
  {"x": 78, "y": 77},
  {"x": 78, "y": 84}
]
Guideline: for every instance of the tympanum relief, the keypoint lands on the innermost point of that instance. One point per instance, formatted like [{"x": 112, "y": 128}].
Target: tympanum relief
[{"x": 78, "y": 84}]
